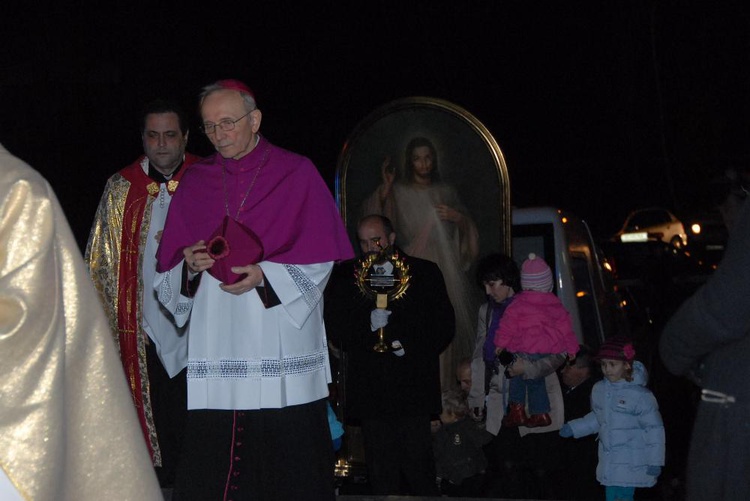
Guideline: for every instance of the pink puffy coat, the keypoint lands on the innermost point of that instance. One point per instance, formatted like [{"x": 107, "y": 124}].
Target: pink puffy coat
[{"x": 537, "y": 322}]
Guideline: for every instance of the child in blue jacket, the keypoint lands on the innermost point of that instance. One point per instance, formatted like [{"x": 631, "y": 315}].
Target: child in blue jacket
[{"x": 626, "y": 415}]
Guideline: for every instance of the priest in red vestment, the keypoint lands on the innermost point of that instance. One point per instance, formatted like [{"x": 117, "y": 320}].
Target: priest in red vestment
[{"x": 121, "y": 255}]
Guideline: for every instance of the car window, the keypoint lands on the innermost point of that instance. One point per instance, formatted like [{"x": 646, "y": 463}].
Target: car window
[
  {"x": 587, "y": 311},
  {"x": 664, "y": 217},
  {"x": 634, "y": 222},
  {"x": 641, "y": 220},
  {"x": 648, "y": 218}
]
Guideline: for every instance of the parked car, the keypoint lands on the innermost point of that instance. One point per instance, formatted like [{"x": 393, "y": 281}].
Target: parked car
[
  {"x": 654, "y": 278},
  {"x": 654, "y": 223},
  {"x": 707, "y": 236}
]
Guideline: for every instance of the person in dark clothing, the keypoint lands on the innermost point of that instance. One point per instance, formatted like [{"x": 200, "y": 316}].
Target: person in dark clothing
[
  {"x": 521, "y": 460},
  {"x": 579, "y": 457},
  {"x": 708, "y": 340},
  {"x": 459, "y": 459},
  {"x": 394, "y": 393}
]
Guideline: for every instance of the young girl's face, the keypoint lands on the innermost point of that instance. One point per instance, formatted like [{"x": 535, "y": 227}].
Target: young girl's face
[{"x": 614, "y": 370}]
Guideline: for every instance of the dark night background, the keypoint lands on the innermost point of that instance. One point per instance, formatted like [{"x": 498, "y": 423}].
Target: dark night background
[{"x": 599, "y": 107}]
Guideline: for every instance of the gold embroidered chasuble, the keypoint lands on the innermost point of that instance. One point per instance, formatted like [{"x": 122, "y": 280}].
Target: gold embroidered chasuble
[{"x": 114, "y": 255}]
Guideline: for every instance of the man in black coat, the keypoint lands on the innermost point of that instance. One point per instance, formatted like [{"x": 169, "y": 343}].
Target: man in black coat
[
  {"x": 708, "y": 339},
  {"x": 579, "y": 457},
  {"x": 393, "y": 393}
]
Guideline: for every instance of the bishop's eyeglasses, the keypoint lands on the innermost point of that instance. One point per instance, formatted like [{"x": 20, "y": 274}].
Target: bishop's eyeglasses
[{"x": 226, "y": 125}]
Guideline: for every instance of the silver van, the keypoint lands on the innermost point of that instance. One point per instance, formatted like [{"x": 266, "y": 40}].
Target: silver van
[{"x": 582, "y": 281}]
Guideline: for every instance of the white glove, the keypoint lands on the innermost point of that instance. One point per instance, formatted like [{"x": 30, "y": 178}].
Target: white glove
[
  {"x": 398, "y": 348},
  {"x": 379, "y": 318}
]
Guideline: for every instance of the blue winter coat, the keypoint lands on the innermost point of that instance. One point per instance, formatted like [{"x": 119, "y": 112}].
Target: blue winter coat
[{"x": 631, "y": 432}]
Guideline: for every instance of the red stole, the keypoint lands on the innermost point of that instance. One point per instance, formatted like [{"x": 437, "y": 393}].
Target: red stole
[{"x": 128, "y": 307}]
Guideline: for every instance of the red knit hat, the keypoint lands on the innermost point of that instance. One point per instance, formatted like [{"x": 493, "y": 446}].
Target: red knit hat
[
  {"x": 536, "y": 275},
  {"x": 617, "y": 348}
]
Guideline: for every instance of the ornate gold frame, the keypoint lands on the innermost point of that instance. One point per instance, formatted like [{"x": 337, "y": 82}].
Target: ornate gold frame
[
  {"x": 466, "y": 141},
  {"x": 444, "y": 119}
]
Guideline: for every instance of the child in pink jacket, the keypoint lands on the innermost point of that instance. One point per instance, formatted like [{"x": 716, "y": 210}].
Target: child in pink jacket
[{"x": 535, "y": 325}]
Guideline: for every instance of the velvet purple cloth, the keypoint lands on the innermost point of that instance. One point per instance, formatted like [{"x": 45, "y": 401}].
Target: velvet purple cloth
[
  {"x": 232, "y": 244},
  {"x": 288, "y": 206}
]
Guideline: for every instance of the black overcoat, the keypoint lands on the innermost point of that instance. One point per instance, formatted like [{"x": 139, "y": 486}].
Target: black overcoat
[
  {"x": 382, "y": 385},
  {"x": 709, "y": 338}
]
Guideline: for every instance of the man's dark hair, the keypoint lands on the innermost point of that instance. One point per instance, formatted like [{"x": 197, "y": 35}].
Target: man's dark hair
[
  {"x": 164, "y": 106},
  {"x": 498, "y": 266},
  {"x": 584, "y": 357},
  {"x": 387, "y": 224}
]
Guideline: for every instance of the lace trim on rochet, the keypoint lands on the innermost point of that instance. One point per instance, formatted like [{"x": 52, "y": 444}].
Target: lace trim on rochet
[
  {"x": 310, "y": 292},
  {"x": 256, "y": 368}
]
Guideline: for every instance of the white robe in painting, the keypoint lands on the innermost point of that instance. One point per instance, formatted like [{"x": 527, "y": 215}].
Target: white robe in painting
[{"x": 452, "y": 246}]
